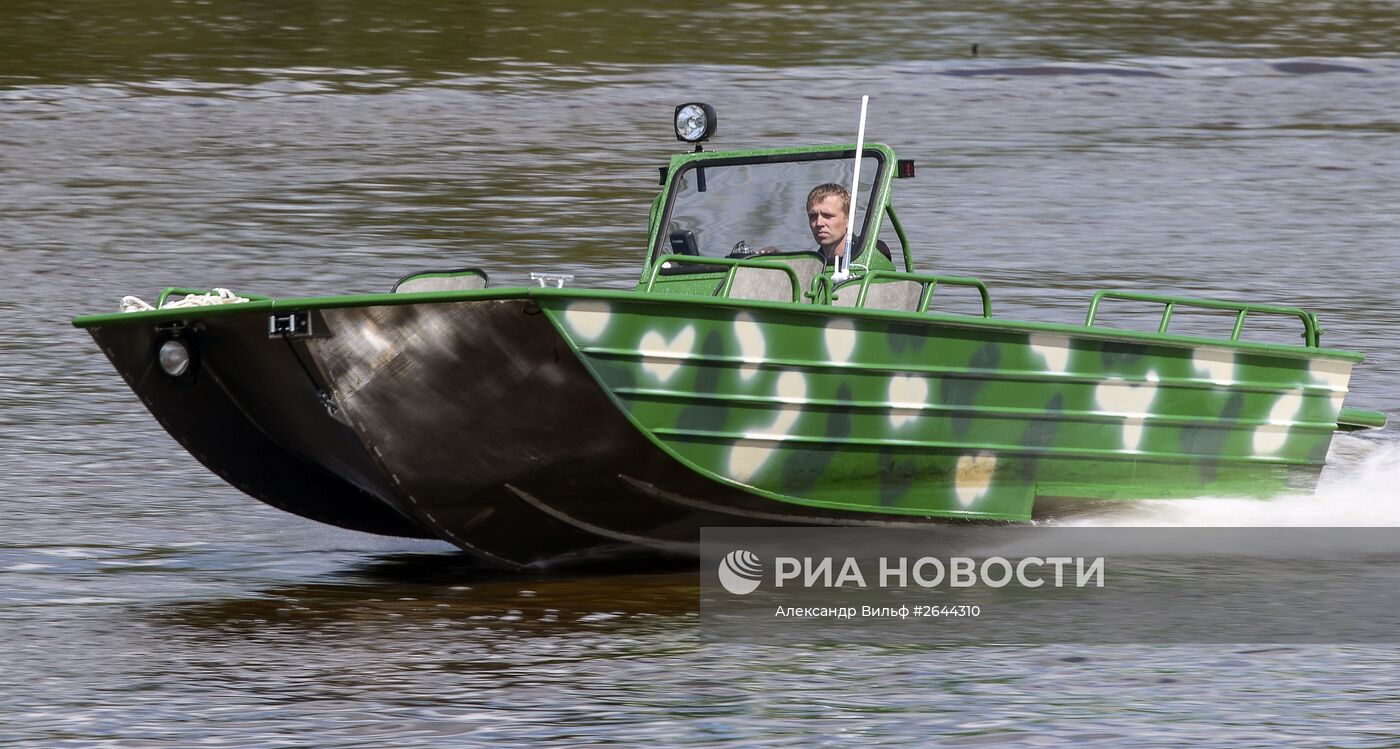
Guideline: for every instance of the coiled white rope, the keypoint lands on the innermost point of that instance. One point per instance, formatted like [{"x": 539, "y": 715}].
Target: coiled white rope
[{"x": 215, "y": 296}]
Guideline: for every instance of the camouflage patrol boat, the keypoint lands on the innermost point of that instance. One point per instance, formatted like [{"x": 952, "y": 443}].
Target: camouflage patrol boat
[{"x": 728, "y": 388}]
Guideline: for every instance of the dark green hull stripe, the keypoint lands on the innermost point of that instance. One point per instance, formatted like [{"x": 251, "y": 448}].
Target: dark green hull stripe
[
  {"x": 964, "y": 447},
  {"x": 967, "y": 372},
  {"x": 1101, "y": 417}
]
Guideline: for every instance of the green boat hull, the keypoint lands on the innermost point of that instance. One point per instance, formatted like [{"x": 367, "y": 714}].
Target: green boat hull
[{"x": 532, "y": 424}]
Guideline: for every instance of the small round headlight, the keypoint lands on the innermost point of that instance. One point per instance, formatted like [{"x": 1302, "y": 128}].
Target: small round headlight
[
  {"x": 174, "y": 358},
  {"x": 695, "y": 122}
]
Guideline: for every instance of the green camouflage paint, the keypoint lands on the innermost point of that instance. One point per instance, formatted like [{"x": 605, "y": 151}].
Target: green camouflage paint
[{"x": 939, "y": 417}]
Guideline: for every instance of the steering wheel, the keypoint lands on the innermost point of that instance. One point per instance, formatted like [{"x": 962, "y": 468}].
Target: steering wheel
[{"x": 741, "y": 250}]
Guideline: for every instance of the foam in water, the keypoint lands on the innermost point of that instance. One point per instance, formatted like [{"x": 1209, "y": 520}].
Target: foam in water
[{"x": 1359, "y": 487}]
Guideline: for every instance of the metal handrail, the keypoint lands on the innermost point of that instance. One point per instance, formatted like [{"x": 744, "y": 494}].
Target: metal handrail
[
  {"x": 930, "y": 282},
  {"x": 1312, "y": 332},
  {"x": 733, "y": 264}
]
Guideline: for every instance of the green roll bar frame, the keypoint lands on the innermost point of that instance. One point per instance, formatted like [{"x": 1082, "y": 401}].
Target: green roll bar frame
[{"x": 903, "y": 240}]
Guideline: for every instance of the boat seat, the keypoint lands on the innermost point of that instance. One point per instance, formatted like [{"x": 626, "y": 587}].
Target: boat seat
[
  {"x": 769, "y": 285},
  {"x": 892, "y": 295},
  {"x": 461, "y": 279}
]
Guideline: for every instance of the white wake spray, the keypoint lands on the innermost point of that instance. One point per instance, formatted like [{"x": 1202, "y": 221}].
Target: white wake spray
[{"x": 1359, "y": 487}]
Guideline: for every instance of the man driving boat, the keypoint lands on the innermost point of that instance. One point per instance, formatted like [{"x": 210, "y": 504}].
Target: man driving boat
[{"x": 828, "y": 212}]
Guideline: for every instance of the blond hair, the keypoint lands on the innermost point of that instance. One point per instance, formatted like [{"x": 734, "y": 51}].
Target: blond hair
[{"x": 824, "y": 191}]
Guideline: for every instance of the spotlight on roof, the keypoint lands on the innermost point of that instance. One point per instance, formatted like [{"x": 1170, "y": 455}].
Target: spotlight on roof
[{"x": 695, "y": 122}]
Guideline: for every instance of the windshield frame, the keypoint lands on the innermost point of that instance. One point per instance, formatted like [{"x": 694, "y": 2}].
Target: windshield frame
[{"x": 682, "y": 164}]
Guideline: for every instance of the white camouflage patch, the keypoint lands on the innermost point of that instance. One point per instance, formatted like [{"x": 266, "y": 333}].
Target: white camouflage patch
[
  {"x": 974, "y": 477},
  {"x": 663, "y": 357},
  {"x": 588, "y": 318},
  {"x": 1054, "y": 349}
]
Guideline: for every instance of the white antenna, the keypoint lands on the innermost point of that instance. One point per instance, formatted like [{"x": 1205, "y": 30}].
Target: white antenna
[{"x": 843, "y": 265}]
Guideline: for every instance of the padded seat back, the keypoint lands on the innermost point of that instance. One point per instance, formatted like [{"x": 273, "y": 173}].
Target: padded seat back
[
  {"x": 463, "y": 279},
  {"x": 892, "y": 295},
  {"x": 769, "y": 285}
]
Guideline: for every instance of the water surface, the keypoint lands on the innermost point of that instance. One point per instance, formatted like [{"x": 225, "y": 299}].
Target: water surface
[{"x": 1239, "y": 150}]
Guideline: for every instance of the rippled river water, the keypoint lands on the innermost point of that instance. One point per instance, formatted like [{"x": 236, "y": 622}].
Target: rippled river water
[{"x": 1244, "y": 150}]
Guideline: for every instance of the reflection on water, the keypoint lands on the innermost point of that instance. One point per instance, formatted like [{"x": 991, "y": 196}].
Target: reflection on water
[
  {"x": 297, "y": 149},
  {"x": 453, "y": 592},
  {"x": 420, "y": 650}
]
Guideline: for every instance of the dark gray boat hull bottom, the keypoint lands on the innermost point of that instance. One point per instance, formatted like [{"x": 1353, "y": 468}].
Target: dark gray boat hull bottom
[{"x": 469, "y": 421}]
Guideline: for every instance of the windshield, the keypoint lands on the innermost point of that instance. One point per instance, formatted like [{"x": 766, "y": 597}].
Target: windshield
[{"x": 727, "y": 209}]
